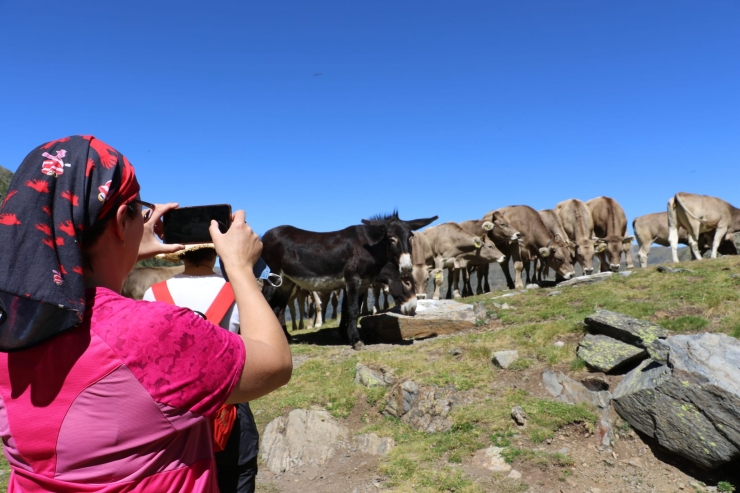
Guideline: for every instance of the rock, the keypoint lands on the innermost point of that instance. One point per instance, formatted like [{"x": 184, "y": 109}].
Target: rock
[
  {"x": 565, "y": 389},
  {"x": 672, "y": 270},
  {"x": 519, "y": 416},
  {"x": 507, "y": 295},
  {"x": 504, "y": 359},
  {"x": 303, "y": 438},
  {"x": 582, "y": 280},
  {"x": 625, "y": 273},
  {"x": 689, "y": 405},
  {"x": 506, "y": 306},
  {"x": 425, "y": 409},
  {"x": 554, "y": 293},
  {"x": 372, "y": 444},
  {"x": 401, "y": 398},
  {"x": 533, "y": 286},
  {"x": 456, "y": 351},
  {"x": 559, "y": 344},
  {"x": 630, "y": 330},
  {"x": 514, "y": 474},
  {"x": 480, "y": 311},
  {"x": 490, "y": 458},
  {"x": 433, "y": 317},
  {"x": 602, "y": 353},
  {"x": 371, "y": 377}
]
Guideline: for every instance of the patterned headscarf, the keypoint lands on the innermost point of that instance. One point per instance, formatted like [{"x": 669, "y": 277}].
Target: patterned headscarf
[{"x": 60, "y": 190}]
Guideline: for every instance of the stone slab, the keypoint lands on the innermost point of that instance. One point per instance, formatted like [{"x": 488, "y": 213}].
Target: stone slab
[
  {"x": 626, "y": 329},
  {"x": 584, "y": 280},
  {"x": 603, "y": 353},
  {"x": 433, "y": 318}
]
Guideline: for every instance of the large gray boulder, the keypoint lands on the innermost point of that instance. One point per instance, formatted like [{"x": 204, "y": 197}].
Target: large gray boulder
[
  {"x": 303, "y": 438},
  {"x": 602, "y": 353},
  {"x": 423, "y": 408},
  {"x": 691, "y": 405}
]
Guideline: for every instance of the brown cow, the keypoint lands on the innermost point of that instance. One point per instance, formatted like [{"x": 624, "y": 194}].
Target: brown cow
[
  {"x": 700, "y": 214},
  {"x": 653, "y": 228},
  {"x": 610, "y": 227},
  {"x": 141, "y": 278},
  {"x": 500, "y": 231},
  {"x": 442, "y": 245},
  {"x": 575, "y": 217},
  {"x": 552, "y": 223},
  {"x": 535, "y": 242},
  {"x": 485, "y": 255}
]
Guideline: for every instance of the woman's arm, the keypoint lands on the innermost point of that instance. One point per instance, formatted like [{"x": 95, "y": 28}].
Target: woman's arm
[{"x": 268, "y": 363}]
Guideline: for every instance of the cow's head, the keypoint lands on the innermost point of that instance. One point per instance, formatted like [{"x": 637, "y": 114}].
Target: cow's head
[
  {"x": 401, "y": 287},
  {"x": 557, "y": 256},
  {"x": 584, "y": 251},
  {"x": 612, "y": 247},
  {"x": 499, "y": 229},
  {"x": 488, "y": 252},
  {"x": 396, "y": 233}
]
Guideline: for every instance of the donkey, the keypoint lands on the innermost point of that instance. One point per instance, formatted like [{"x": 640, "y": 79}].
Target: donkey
[{"x": 352, "y": 258}]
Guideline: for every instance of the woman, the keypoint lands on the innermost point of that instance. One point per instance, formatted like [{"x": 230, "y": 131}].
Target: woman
[{"x": 100, "y": 393}]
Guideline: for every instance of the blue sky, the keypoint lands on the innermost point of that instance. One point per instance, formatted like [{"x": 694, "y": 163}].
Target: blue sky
[{"x": 434, "y": 107}]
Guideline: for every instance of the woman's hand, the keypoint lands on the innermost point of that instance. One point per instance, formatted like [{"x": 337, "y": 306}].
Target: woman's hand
[
  {"x": 239, "y": 247},
  {"x": 153, "y": 230}
]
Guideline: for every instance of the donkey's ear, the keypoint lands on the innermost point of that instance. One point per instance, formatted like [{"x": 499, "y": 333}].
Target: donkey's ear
[
  {"x": 375, "y": 230},
  {"x": 420, "y": 223}
]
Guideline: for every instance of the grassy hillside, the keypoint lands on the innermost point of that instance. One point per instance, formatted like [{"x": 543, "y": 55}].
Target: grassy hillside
[
  {"x": 703, "y": 300},
  {"x": 5, "y": 176}
]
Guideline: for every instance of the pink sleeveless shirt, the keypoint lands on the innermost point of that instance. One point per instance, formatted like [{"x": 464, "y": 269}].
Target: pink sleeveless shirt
[{"x": 119, "y": 404}]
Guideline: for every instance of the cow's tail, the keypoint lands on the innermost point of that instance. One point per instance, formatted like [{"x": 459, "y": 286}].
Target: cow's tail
[{"x": 672, "y": 214}]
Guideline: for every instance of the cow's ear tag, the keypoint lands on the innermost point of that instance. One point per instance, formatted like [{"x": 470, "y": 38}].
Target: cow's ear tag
[
  {"x": 545, "y": 252},
  {"x": 488, "y": 226},
  {"x": 477, "y": 242},
  {"x": 600, "y": 247},
  {"x": 438, "y": 275}
]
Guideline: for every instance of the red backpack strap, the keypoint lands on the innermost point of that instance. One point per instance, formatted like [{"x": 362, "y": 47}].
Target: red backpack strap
[
  {"x": 162, "y": 293},
  {"x": 224, "y": 299}
]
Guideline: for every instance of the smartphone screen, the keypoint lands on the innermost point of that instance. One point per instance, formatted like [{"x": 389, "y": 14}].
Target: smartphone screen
[{"x": 187, "y": 225}]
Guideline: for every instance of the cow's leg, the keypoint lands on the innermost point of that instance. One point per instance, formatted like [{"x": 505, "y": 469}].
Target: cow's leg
[
  {"x": 517, "y": 257},
  {"x": 526, "y": 270},
  {"x": 673, "y": 228},
  {"x": 386, "y": 295},
  {"x": 291, "y": 307},
  {"x": 484, "y": 274},
  {"x": 451, "y": 283},
  {"x": 301, "y": 298},
  {"x": 467, "y": 288},
  {"x": 352, "y": 303},
  {"x": 505, "y": 268},
  {"x": 456, "y": 282},
  {"x": 279, "y": 301},
  {"x": 335, "y": 303},
  {"x": 719, "y": 235},
  {"x": 318, "y": 309},
  {"x": 364, "y": 308},
  {"x": 325, "y": 297},
  {"x": 627, "y": 250},
  {"x": 643, "y": 254}
]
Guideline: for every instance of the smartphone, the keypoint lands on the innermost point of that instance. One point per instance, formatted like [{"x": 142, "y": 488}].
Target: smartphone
[{"x": 188, "y": 225}]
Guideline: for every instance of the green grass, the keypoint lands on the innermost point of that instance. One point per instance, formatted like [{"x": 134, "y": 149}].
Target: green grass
[{"x": 5, "y": 468}]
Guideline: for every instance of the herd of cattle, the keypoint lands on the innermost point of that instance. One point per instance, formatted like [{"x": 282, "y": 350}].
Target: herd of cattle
[{"x": 386, "y": 252}]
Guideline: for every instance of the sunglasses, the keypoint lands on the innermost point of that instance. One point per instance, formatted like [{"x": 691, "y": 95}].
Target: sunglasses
[{"x": 146, "y": 208}]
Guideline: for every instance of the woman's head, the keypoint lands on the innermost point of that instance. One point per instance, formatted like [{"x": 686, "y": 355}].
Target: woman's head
[{"x": 68, "y": 198}]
